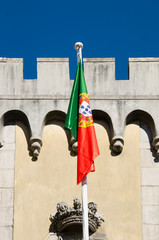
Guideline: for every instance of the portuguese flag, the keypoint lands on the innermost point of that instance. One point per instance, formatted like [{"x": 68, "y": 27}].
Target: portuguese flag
[{"x": 80, "y": 121}]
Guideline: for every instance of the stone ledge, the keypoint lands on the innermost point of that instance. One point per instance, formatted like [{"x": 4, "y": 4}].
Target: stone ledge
[
  {"x": 98, "y": 60},
  {"x": 150, "y": 59},
  {"x": 67, "y": 97},
  {"x": 52, "y": 59},
  {"x": 11, "y": 60},
  {"x": 3, "y": 59}
]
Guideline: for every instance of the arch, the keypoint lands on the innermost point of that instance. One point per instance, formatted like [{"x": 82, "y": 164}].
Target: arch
[
  {"x": 59, "y": 118},
  {"x": 12, "y": 116},
  {"x": 98, "y": 115},
  {"x": 54, "y": 115},
  {"x": 141, "y": 115},
  {"x": 103, "y": 118}
]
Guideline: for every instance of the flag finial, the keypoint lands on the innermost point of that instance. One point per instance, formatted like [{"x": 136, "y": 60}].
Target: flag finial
[{"x": 79, "y": 47}]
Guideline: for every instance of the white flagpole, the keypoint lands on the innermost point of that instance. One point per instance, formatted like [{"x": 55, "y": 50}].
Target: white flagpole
[
  {"x": 78, "y": 47},
  {"x": 85, "y": 209}
]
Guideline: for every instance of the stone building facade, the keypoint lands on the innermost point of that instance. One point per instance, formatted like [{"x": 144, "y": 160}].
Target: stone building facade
[{"x": 37, "y": 161}]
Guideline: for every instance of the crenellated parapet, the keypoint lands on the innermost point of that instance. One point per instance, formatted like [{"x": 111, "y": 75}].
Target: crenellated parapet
[
  {"x": 118, "y": 103},
  {"x": 125, "y": 100},
  {"x": 52, "y": 78}
]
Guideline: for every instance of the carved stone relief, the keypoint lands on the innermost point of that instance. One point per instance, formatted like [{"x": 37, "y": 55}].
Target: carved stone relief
[
  {"x": 66, "y": 223},
  {"x": 68, "y": 217}
]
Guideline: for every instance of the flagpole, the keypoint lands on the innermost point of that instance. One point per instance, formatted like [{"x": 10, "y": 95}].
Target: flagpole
[
  {"x": 79, "y": 47},
  {"x": 85, "y": 209}
]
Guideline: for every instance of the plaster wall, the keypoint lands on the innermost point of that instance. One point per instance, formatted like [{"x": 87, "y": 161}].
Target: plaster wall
[{"x": 115, "y": 186}]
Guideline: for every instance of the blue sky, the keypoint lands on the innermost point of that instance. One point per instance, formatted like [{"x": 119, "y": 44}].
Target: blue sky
[{"x": 120, "y": 29}]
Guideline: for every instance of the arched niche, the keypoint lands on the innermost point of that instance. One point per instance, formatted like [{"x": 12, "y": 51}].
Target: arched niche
[
  {"x": 104, "y": 119},
  {"x": 140, "y": 115},
  {"x": 13, "y": 117},
  {"x": 54, "y": 115},
  {"x": 58, "y": 118}
]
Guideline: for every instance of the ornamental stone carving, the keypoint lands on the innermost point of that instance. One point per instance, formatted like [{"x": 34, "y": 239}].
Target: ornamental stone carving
[
  {"x": 117, "y": 144},
  {"x": 67, "y": 216},
  {"x": 74, "y": 144},
  {"x": 36, "y": 144}
]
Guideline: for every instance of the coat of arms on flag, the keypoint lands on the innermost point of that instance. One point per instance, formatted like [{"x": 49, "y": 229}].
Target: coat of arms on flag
[{"x": 85, "y": 113}]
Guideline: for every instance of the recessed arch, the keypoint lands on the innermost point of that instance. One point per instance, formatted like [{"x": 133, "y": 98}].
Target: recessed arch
[
  {"x": 58, "y": 118},
  {"x": 141, "y": 115},
  {"x": 54, "y": 115},
  {"x": 14, "y": 116},
  {"x": 103, "y": 118}
]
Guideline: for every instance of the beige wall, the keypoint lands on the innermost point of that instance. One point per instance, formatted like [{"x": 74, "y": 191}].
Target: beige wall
[{"x": 39, "y": 185}]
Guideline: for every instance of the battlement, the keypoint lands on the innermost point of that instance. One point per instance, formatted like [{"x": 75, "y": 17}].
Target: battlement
[
  {"x": 38, "y": 101},
  {"x": 53, "y": 78},
  {"x": 143, "y": 77}
]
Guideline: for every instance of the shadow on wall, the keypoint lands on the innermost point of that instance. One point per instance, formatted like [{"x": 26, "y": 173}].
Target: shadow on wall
[
  {"x": 100, "y": 117},
  {"x": 148, "y": 131}
]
